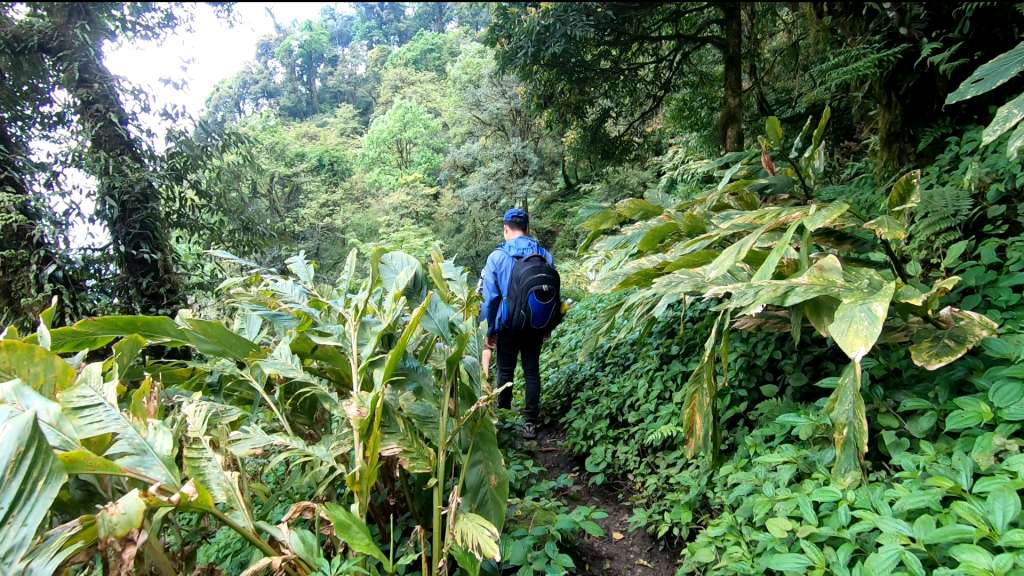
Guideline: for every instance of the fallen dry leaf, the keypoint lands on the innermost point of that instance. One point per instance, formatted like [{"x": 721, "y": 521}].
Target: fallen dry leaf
[
  {"x": 618, "y": 535},
  {"x": 644, "y": 563}
]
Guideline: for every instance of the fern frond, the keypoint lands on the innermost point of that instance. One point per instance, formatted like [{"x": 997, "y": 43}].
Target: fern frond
[
  {"x": 661, "y": 434},
  {"x": 943, "y": 210}
]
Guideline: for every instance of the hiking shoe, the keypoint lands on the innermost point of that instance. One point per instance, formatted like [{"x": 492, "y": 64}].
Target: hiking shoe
[{"x": 529, "y": 430}]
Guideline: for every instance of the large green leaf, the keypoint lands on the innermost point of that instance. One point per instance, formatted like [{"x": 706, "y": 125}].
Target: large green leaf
[
  {"x": 734, "y": 253},
  {"x": 990, "y": 75},
  {"x": 32, "y": 477},
  {"x": 91, "y": 406},
  {"x": 767, "y": 269},
  {"x": 214, "y": 339},
  {"x": 906, "y": 192},
  {"x": 937, "y": 348},
  {"x": 16, "y": 398},
  {"x": 94, "y": 333},
  {"x": 637, "y": 209},
  {"x": 859, "y": 318},
  {"x": 773, "y": 130},
  {"x": 404, "y": 273},
  {"x": 126, "y": 351},
  {"x": 485, "y": 491},
  {"x": 656, "y": 235},
  {"x": 35, "y": 366},
  {"x": 789, "y": 562},
  {"x": 467, "y": 561},
  {"x": 354, "y": 533},
  {"x": 845, "y": 409},
  {"x": 1003, "y": 507},
  {"x": 823, "y": 278},
  {"x": 1008, "y": 116},
  {"x": 205, "y": 464}
]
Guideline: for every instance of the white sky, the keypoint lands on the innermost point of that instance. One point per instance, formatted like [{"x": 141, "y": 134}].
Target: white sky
[{"x": 212, "y": 51}]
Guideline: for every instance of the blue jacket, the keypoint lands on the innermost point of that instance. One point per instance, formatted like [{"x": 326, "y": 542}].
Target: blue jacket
[{"x": 496, "y": 275}]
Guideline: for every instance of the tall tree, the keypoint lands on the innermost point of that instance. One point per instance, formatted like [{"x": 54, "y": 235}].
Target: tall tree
[
  {"x": 607, "y": 68},
  {"x": 127, "y": 199},
  {"x": 58, "y": 49}
]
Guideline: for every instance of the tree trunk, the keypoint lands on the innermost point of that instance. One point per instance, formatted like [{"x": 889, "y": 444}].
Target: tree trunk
[
  {"x": 731, "y": 120},
  {"x": 29, "y": 264},
  {"x": 127, "y": 198}
]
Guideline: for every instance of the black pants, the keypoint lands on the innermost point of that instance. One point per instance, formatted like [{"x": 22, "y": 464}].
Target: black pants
[{"x": 510, "y": 346}]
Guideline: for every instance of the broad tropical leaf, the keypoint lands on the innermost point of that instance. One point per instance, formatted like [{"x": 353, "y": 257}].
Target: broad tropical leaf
[
  {"x": 94, "y": 333},
  {"x": 58, "y": 545},
  {"x": 91, "y": 406},
  {"x": 16, "y": 398},
  {"x": 1008, "y": 116},
  {"x": 32, "y": 476},
  {"x": 845, "y": 409},
  {"x": 940, "y": 347},
  {"x": 485, "y": 491},
  {"x": 35, "y": 366},
  {"x": 201, "y": 462},
  {"x": 990, "y": 75},
  {"x": 354, "y": 533},
  {"x": 906, "y": 192},
  {"x": 858, "y": 320}
]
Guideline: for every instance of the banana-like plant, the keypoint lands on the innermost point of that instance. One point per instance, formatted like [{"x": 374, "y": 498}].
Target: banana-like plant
[
  {"x": 760, "y": 246},
  {"x": 364, "y": 376}
]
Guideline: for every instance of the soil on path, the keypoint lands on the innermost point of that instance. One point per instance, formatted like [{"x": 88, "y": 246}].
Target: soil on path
[{"x": 620, "y": 552}]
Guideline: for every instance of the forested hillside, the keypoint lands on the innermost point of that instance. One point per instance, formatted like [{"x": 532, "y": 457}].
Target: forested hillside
[{"x": 249, "y": 342}]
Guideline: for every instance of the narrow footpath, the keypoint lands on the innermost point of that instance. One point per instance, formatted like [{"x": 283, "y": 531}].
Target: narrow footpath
[{"x": 620, "y": 552}]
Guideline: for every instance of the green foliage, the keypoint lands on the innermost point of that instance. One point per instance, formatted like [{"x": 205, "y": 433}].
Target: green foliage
[
  {"x": 542, "y": 529},
  {"x": 968, "y": 187},
  {"x": 345, "y": 383},
  {"x": 402, "y": 142},
  {"x": 727, "y": 244}
]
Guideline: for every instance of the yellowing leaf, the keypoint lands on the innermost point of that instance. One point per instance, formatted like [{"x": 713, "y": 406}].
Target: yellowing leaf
[
  {"x": 938, "y": 348},
  {"x": 845, "y": 409},
  {"x": 906, "y": 192},
  {"x": 858, "y": 320},
  {"x": 477, "y": 535},
  {"x": 117, "y": 519},
  {"x": 887, "y": 228},
  {"x": 825, "y": 215},
  {"x": 35, "y": 366},
  {"x": 779, "y": 526}
]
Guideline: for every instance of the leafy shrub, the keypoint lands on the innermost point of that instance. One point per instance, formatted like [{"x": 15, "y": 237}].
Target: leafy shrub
[
  {"x": 542, "y": 531},
  {"x": 364, "y": 389},
  {"x": 943, "y": 497}
]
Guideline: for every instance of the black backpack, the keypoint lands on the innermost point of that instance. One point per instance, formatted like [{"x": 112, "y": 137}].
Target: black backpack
[{"x": 534, "y": 299}]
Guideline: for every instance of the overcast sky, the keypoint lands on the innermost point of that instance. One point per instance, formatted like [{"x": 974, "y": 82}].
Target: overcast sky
[{"x": 212, "y": 51}]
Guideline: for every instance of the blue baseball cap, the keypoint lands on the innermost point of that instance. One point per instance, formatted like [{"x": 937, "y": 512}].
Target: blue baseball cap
[{"x": 517, "y": 214}]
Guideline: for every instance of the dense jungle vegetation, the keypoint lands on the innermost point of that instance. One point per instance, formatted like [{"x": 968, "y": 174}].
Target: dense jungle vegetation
[{"x": 793, "y": 232}]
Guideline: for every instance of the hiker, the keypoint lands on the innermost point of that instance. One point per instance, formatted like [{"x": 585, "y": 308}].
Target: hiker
[{"x": 521, "y": 304}]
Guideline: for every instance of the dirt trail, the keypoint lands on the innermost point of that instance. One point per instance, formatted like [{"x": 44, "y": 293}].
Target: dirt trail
[{"x": 620, "y": 552}]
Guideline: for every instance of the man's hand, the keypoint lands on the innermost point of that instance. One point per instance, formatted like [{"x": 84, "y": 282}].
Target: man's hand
[{"x": 492, "y": 342}]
